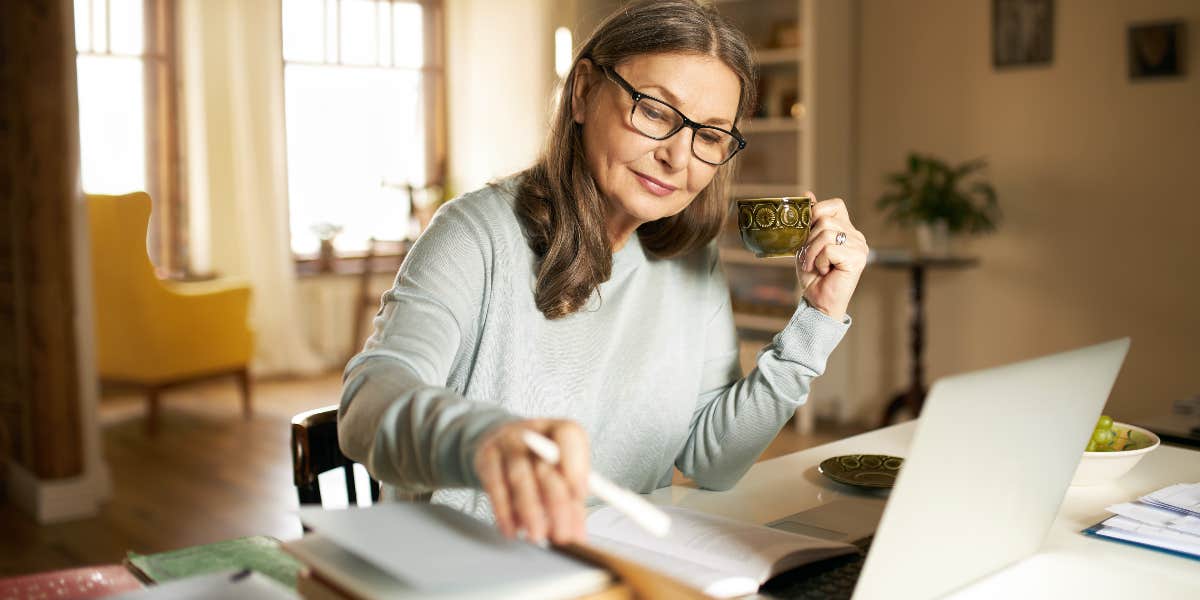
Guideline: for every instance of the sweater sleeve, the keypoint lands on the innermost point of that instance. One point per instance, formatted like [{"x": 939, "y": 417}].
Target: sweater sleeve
[
  {"x": 737, "y": 417},
  {"x": 396, "y": 416}
]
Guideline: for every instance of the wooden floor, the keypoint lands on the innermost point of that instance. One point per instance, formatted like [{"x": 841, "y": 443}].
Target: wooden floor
[{"x": 207, "y": 476}]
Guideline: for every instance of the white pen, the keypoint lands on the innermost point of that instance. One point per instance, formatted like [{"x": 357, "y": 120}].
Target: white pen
[{"x": 648, "y": 516}]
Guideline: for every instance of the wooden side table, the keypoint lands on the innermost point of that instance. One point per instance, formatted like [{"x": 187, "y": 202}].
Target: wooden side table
[{"x": 913, "y": 398}]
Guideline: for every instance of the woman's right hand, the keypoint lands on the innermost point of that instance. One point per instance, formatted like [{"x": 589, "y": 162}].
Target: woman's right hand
[{"x": 544, "y": 500}]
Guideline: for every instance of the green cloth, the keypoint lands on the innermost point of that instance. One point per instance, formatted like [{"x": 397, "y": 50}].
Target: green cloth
[{"x": 259, "y": 553}]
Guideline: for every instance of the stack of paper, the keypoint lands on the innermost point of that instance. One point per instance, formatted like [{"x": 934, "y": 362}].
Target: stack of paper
[{"x": 1167, "y": 520}]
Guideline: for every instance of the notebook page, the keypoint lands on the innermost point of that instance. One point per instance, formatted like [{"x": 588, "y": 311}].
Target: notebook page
[
  {"x": 1157, "y": 541},
  {"x": 1181, "y": 496},
  {"x": 717, "y": 543},
  {"x": 1158, "y": 517},
  {"x": 1186, "y": 541},
  {"x": 707, "y": 579}
]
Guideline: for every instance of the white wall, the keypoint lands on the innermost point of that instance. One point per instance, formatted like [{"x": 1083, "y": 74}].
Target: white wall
[
  {"x": 1097, "y": 176},
  {"x": 499, "y": 87}
]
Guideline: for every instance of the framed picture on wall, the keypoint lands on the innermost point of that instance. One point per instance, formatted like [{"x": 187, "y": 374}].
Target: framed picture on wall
[
  {"x": 1156, "y": 50},
  {"x": 1022, "y": 33}
]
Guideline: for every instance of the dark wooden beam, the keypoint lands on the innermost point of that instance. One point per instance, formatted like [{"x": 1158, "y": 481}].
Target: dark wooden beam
[{"x": 39, "y": 184}]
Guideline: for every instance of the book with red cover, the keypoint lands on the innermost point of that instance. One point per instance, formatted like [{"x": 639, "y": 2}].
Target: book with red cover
[{"x": 71, "y": 584}]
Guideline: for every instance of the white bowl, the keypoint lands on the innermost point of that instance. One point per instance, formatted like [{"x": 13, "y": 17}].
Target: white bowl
[{"x": 1102, "y": 467}]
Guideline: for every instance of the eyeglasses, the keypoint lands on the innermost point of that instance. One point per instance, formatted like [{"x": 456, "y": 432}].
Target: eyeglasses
[{"x": 658, "y": 120}]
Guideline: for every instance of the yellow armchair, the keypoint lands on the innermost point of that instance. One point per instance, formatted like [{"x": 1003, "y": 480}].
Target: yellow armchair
[{"x": 157, "y": 334}]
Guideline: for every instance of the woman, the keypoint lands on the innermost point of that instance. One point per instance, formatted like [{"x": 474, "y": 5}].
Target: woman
[{"x": 583, "y": 299}]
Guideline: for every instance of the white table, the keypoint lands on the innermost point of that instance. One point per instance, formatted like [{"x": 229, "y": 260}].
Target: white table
[{"x": 1069, "y": 563}]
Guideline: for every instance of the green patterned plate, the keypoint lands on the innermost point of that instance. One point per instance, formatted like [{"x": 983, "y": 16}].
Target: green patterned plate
[{"x": 863, "y": 470}]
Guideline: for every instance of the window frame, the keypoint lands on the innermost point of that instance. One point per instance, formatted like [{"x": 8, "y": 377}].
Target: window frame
[
  {"x": 164, "y": 178},
  {"x": 433, "y": 82}
]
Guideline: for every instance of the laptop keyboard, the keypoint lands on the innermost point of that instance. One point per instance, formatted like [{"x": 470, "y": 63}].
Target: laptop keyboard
[{"x": 829, "y": 579}]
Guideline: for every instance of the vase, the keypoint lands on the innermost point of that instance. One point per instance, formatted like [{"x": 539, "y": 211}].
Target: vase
[
  {"x": 325, "y": 256},
  {"x": 933, "y": 238}
]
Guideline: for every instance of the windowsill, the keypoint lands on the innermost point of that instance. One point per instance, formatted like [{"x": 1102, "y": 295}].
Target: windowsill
[{"x": 385, "y": 261}]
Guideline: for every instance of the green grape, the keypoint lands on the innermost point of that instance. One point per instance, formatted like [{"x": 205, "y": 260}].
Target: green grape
[
  {"x": 1110, "y": 436},
  {"x": 1103, "y": 435}
]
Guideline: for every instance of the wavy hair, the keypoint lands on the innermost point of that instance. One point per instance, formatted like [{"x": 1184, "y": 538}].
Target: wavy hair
[{"x": 562, "y": 212}]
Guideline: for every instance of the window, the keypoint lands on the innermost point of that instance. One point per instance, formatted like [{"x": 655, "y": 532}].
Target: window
[
  {"x": 361, "y": 79},
  {"x": 127, "y": 129}
]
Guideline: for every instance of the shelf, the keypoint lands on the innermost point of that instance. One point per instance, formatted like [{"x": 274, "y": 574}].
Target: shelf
[
  {"x": 776, "y": 56},
  {"x": 767, "y": 190},
  {"x": 739, "y": 256},
  {"x": 773, "y": 125},
  {"x": 764, "y": 323}
]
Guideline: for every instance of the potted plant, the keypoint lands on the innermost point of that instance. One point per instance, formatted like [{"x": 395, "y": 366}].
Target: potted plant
[{"x": 939, "y": 202}]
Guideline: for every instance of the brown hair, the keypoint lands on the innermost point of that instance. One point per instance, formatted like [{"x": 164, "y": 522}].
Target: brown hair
[{"x": 560, "y": 209}]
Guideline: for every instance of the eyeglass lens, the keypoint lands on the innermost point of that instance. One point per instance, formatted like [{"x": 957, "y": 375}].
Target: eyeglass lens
[{"x": 658, "y": 120}]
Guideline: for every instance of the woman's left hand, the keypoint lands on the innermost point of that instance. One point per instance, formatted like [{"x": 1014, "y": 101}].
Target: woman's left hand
[{"x": 830, "y": 264}]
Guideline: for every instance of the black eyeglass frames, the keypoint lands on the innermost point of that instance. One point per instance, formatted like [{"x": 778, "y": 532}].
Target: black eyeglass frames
[{"x": 658, "y": 120}]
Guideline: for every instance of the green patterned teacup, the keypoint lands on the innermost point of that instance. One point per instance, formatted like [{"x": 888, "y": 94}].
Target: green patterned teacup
[{"x": 774, "y": 226}]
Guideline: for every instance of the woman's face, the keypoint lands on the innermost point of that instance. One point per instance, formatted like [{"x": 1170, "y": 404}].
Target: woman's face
[{"x": 642, "y": 178}]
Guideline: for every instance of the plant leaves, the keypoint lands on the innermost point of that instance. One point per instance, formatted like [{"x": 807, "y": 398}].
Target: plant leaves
[{"x": 931, "y": 190}]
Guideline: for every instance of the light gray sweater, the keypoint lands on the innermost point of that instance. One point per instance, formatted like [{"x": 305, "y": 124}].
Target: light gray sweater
[{"x": 649, "y": 367}]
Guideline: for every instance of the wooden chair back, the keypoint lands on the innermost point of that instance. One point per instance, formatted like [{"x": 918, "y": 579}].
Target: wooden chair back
[{"x": 315, "y": 450}]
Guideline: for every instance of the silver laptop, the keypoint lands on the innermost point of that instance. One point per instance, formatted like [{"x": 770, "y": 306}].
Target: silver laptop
[{"x": 991, "y": 459}]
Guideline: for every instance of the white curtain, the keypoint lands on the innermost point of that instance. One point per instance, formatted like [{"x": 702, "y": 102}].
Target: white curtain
[{"x": 231, "y": 95}]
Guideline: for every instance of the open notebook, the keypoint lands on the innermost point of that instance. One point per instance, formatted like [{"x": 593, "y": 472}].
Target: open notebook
[{"x": 422, "y": 550}]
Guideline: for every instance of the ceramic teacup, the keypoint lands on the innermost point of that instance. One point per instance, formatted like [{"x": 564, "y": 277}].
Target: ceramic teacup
[{"x": 774, "y": 227}]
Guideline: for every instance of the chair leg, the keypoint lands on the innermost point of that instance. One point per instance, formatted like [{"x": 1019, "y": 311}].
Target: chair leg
[
  {"x": 244, "y": 382},
  {"x": 152, "y": 395}
]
